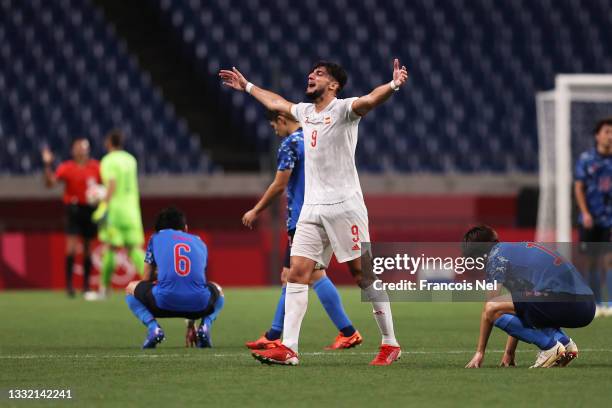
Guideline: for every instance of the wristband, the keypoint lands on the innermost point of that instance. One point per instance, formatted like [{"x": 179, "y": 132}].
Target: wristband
[
  {"x": 393, "y": 85},
  {"x": 248, "y": 87}
]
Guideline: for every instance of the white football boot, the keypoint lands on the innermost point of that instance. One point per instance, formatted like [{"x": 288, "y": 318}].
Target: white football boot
[
  {"x": 550, "y": 357},
  {"x": 571, "y": 353}
]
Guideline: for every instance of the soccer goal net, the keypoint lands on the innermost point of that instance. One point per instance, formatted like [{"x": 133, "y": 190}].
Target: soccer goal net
[{"x": 566, "y": 118}]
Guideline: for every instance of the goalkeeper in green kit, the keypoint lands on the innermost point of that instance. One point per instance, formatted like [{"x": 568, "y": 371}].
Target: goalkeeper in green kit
[{"x": 118, "y": 214}]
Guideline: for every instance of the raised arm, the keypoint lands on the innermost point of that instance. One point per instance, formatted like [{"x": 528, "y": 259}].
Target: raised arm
[
  {"x": 380, "y": 94},
  {"x": 49, "y": 176},
  {"x": 234, "y": 79},
  {"x": 275, "y": 189}
]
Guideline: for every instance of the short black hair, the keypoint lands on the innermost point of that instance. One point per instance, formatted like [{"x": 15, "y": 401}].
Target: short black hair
[
  {"x": 78, "y": 139},
  {"x": 170, "y": 218},
  {"x": 335, "y": 70},
  {"x": 601, "y": 123},
  {"x": 116, "y": 138},
  {"x": 478, "y": 241},
  {"x": 272, "y": 115}
]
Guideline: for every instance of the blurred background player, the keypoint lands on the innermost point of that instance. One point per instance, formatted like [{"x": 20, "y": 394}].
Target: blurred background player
[
  {"x": 334, "y": 217},
  {"x": 118, "y": 215},
  {"x": 290, "y": 176},
  {"x": 546, "y": 293},
  {"x": 177, "y": 260},
  {"x": 77, "y": 175},
  {"x": 593, "y": 191}
]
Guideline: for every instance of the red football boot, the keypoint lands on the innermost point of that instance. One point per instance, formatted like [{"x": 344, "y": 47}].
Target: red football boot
[
  {"x": 262, "y": 343},
  {"x": 386, "y": 355},
  {"x": 342, "y": 342},
  {"x": 281, "y": 354}
]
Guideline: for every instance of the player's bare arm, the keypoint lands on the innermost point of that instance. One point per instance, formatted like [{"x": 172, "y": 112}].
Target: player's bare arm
[
  {"x": 587, "y": 219},
  {"x": 47, "y": 159},
  {"x": 508, "y": 359},
  {"x": 148, "y": 272},
  {"x": 491, "y": 306},
  {"x": 190, "y": 334},
  {"x": 275, "y": 189},
  {"x": 380, "y": 94},
  {"x": 234, "y": 79}
]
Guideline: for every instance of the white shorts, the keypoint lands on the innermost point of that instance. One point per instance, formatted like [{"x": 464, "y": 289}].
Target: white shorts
[{"x": 325, "y": 229}]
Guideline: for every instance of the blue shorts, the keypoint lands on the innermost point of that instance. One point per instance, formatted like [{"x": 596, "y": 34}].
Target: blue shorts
[
  {"x": 545, "y": 314},
  {"x": 144, "y": 293}
]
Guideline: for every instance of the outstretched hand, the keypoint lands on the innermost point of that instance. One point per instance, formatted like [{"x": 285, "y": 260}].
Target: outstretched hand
[
  {"x": 400, "y": 75},
  {"x": 233, "y": 78}
]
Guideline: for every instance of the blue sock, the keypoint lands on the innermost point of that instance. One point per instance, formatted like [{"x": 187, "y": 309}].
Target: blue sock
[
  {"x": 515, "y": 328},
  {"x": 330, "y": 299},
  {"x": 595, "y": 284},
  {"x": 609, "y": 287},
  {"x": 279, "y": 318},
  {"x": 208, "y": 320},
  {"x": 557, "y": 334},
  {"x": 141, "y": 312}
]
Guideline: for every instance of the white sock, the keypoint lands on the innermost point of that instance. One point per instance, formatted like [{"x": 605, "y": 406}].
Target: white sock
[
  {"x": 296, "y": 303},
  {"x": 382, "y": 314}
]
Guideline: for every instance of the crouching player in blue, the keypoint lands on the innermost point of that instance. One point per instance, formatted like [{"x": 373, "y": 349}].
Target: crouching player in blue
[
  {"x": 546, "y": 294},
  {"x": 179, "y": 260}
]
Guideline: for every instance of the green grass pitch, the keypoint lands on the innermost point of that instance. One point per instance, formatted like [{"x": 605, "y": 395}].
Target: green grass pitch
[{"x": 49, "y": 341}]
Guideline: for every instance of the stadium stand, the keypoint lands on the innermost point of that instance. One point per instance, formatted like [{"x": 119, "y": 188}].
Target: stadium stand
[
  {"x": 64, "y": 73},
  {"x": 475, "y": 66}
]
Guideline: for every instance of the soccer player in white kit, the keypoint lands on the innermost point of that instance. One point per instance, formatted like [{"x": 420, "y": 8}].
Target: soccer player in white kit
[{"x": 334, "y": 218}]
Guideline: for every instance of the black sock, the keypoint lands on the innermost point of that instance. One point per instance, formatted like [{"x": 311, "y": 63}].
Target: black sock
[
  {"x": 86, "y": 271},
  {"x": 273, "y": 334},
  {"x": 69, "y": 265},
  {"x": 348, "y": 331}
]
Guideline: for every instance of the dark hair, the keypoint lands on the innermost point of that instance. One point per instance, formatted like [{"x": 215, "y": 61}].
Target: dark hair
[
  {"x": 116, "y": 138},
  {"x": 170, "y": 218},
  {"x": 335, "y": 70},
  {"x": 272, "y": 115},
  {"x": 601, "y": 123},
  {"x": 478, "y": 241},
  {"x": 78, "y": 139}
]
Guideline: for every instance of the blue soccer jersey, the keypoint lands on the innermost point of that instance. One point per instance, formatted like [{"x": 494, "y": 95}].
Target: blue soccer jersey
[
  {"x": 527, "y": 267},
  {"x": 181, "y": 260},
  {"x": 595, "y": 171},
  {"x": 291, "y": 157}
]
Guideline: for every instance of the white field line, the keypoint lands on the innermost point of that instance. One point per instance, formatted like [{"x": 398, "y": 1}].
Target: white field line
[{"x": 246, "y": 353}]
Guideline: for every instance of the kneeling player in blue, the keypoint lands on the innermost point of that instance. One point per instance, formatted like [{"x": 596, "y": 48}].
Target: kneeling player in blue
[
  {"x": 547, "y": 294},
  {"x": 179, "y": 260}
]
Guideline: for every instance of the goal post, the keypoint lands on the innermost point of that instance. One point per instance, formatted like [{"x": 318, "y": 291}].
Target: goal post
[{"x": 566, "y": 116}]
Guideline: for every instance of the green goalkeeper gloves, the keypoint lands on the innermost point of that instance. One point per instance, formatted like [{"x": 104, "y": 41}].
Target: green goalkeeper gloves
[{"x": 99, "y": 215}]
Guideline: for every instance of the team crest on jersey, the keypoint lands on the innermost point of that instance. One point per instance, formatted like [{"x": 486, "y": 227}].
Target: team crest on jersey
[{"x": 327, "y": 120}]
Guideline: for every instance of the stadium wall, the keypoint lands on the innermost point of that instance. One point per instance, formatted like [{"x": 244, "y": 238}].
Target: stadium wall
[{"x": 414, "y": 208}]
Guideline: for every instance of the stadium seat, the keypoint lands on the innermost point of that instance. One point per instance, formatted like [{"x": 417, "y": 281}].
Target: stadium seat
[{"x": 64, "y": 73}]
